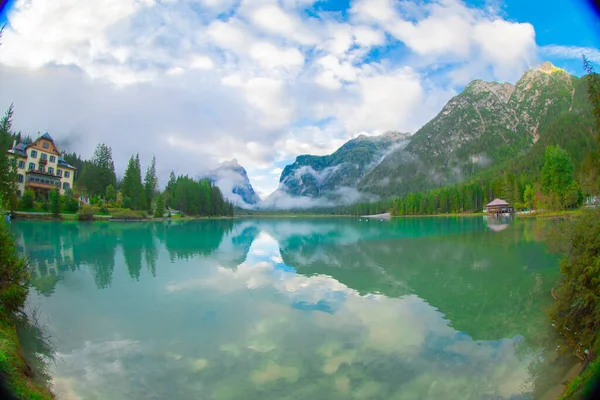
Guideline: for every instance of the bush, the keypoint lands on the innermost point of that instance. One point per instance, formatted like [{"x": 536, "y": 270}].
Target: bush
[
  {"x": 576, "y": 312},
  {"x": 86, "y": 213},
  {"x": 129, "y": 214},
  {"x": 103, "y": 209},
  {"x": 14, "y": 277},
  {"x": 71, "y": 202},
  {"x": 27, "y": 199},
  {"x": 55, "y": 203}
]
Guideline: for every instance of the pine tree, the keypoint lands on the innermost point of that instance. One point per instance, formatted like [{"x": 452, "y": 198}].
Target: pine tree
[
  {"x": 7, "y": 167},
  {"x": 150, "y": 184},
  {"x": 128, "y": 185},
  {"x": 169, "y": 190},
  {"x": 99, "y": 173},
  {"x": 111, "y": 193},
  {"x": 557, "y": 176},
  {"x": 159, "y": 212},
  {"x": 140, "y": 193}
]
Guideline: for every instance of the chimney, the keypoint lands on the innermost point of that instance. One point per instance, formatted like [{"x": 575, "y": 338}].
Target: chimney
[{"x": 14, "y": 143}]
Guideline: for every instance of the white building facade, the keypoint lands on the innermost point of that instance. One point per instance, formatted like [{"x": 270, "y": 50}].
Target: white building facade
[{"x": 40, "y": 167}]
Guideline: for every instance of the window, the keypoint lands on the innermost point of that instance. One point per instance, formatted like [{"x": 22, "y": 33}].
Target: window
[
  {"x": 33, "y": 154},
  {"x": 59, "y": 172},
  {"x": 67, "y": 174},
  {"x": 41, "y": 168},
  {"x": 31, "y": 166},
  {"x": 50, "y": 170},
  {"x": 21, "y": 164},
  {"x": 52, "y": 159},
  {"x": 13, "y": 161},
  {"x": 43, "y": 156},
  {"x": 46, "y": 145},
  {"x": 65, "y": 185},
  {"x": 20, "y": 178}
]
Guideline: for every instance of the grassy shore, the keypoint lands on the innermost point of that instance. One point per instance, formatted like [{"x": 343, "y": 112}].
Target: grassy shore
[{"x": 14, "y": 369}]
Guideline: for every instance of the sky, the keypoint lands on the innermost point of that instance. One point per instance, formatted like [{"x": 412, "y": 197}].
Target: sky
[{"x": 199, "y": 82}]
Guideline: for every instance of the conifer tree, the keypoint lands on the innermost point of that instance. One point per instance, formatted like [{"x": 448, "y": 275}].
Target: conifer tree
[
  {"x": 150, "y": 184},
  {"x": 7, "y": 167}
]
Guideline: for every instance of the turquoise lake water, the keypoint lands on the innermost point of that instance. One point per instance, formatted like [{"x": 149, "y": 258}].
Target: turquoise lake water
[{"x": 418, "y": 308}]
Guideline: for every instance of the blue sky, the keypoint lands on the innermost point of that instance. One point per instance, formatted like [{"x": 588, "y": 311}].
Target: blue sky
[{"x": 198, "y": 82}]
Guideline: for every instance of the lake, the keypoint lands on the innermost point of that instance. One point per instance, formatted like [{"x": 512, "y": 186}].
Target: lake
[{"x": 322, "y": 308}]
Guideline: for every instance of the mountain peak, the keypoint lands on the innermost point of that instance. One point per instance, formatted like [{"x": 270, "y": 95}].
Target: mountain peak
[
  {"x": 548, "y": 68},
  {"x": 231, "y": 163}
]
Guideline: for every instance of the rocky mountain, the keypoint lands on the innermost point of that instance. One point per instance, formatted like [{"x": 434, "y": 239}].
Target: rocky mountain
[
  {"x": 233, "y": 181},
  {"x": 488, "y": 122},
  {"x": 317, "y": 176}
]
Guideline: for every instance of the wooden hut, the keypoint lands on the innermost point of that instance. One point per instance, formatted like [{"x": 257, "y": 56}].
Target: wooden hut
[{"x": 498, "y": 206}]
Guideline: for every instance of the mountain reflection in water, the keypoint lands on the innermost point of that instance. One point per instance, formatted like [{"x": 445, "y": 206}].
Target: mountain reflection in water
[{"x": 295, "y": 308}]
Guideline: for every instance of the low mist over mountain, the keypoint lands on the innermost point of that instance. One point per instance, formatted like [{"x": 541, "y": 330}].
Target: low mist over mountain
[
  {"x": 488, "y": 123},
  {"x": 233, "y": 181},
  {"x": 333, "y": 178}
]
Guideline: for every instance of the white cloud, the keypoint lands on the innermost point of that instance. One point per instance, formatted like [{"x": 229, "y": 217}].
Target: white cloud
[
  {"x": 381, "y": 97},
  {"x": 263, "y": 84},
  {"x": 570, "y": 52},
  {"x": 269, "y": 56},
  {"x": 274, "y": 20},
  {"x": 201, "y": 62}
]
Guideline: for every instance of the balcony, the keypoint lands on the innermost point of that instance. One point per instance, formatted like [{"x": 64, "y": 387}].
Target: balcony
[
  {"x": 41, "y": 180},
  {"x": 43, "y": 161}
]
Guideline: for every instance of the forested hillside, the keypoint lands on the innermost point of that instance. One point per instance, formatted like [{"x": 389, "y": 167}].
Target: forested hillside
[{"x": 486, "y": 126}]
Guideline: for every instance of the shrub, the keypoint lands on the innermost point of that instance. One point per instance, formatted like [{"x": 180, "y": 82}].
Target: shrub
[
  {"x": 55, "y": 203},
  {"x": 86, "y": 213},
  {"x": 27, "y": 199},
  {"x": 103, "y": 209},
  {"x": 129, "y": 214},
  {"x": 71, "y": 202},
  {"x": 160, "y": 206},
  {"x": 14, "y": 277},
  {"x": 577, "y": 309}
]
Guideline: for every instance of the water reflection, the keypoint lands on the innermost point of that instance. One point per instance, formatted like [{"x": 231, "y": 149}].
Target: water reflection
[{"x": 289, "y": 309}]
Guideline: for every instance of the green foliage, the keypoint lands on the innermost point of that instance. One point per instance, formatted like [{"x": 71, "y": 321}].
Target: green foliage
[
  {"x": 13, "y": 368},
  {"x": 170, "y": 189},
  {"x": 150, "y": 184},
  {"x": 55, "y": 202},
  {"x": 98, "y": 173},
  {"x": 86, "y": 213},
  {"x": 134, "y": 194},
  {"x": 159, "y": 211},
  {"x": 557, "y": 177},
  {"x": 129, "y": 214},
  {"x": 111, "y": 193},
  {"x": 27, "y": 199},
  {"x": 71, "y": 204},
  {"x": 577, "y": 311},
  {"x": 198, "y": 198},
  {"x": 14, "y": 278},
  {"x": 593, "y": 80},
  {"x": 7, "y": 167}
]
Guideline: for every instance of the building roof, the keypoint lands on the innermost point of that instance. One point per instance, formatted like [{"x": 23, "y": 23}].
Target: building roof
[
  {"x": 63, "y": 163},
  {"x": 20, "y": 149},
  {"x": 46, "y": 136},
  {"x": 498, "y": 203}
]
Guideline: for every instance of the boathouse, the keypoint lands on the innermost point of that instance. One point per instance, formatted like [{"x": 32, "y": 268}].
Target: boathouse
[{"x": 498, "y": 206}]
